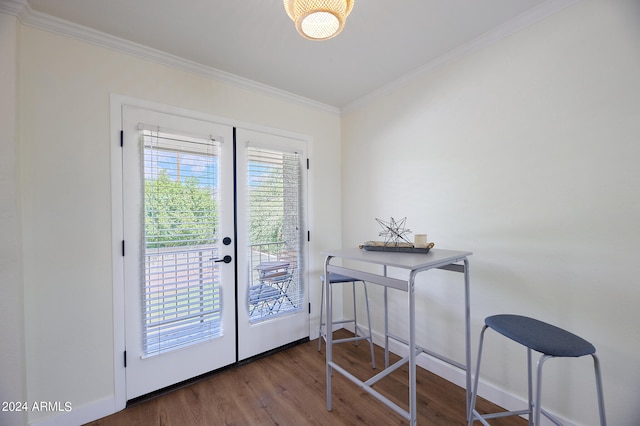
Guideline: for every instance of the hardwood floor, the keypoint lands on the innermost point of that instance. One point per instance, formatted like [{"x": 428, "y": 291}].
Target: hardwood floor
[{"x": 288, "y": 388}]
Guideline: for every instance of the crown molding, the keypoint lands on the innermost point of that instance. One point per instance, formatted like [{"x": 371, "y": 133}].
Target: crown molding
[
  {"x": 530, "y": 17},
  {"x": 39, "y": 20},
  {"x": 32, "y": 18},
  {"x": 14, "y": 7}
]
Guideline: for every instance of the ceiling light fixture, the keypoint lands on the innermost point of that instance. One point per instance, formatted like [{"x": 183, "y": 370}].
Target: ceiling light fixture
[{"x": 318, "y": 19}]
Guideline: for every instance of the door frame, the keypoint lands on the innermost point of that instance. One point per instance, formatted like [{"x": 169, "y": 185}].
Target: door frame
[{"x": 117, "y": 102}]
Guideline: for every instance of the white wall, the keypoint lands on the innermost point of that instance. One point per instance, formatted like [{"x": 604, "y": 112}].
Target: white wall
[
  {"x": 525, "y": 153},
  {"x": 11, "y": 314},
  {"x": 65, "y": 88}
]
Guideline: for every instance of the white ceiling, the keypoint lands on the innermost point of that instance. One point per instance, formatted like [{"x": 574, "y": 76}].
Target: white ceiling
[{"x": 383, "y": 40}]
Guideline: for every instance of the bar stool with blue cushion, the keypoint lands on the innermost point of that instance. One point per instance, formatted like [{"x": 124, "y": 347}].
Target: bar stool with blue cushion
[
  {"x": 551, "y": 342},
  {"x": 359, "y": 334}
]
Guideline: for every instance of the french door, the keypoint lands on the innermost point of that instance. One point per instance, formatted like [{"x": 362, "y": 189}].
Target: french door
[
  {"x": 272, "y": 297},
  {"x": 179, "y": 300},
  {"x": 202, "y": 275}
]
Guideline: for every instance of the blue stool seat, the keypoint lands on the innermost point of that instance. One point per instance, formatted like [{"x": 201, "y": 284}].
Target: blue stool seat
[
  {"x": 551, "y": 342},
  {"x": 540, "y": 336},
  {"x": 338, "y": 278}
]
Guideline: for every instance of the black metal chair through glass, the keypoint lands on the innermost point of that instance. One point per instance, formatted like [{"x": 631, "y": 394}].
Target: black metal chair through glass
[{"x": 268, "y": 296}]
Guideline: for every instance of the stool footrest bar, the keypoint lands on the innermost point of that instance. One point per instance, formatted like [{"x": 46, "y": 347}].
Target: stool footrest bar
[{"x": 501, "y": 414}]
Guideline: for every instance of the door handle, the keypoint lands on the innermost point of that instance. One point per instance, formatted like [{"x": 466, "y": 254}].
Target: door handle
[{"x": 226, "y": 259}]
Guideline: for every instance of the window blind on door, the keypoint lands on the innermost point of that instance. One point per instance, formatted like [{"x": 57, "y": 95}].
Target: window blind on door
[
  {"x": 181, "y": 292},
  {"x": 274, "y": 231}
]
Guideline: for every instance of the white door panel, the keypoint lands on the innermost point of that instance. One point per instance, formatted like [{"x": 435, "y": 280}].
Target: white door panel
[
  {"x": 272, "y": 282},
  {"x": 180, "y": 302}
]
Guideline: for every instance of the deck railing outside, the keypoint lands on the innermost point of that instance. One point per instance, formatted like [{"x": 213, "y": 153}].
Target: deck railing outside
[
  {"x": 182, "y": 291},
  {"x": 182, "y": 302}
]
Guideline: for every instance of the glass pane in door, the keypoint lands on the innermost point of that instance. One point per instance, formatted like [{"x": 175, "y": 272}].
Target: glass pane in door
[
  {"x": 274, "y": 200},
  {"x": 182, "y": 301}
]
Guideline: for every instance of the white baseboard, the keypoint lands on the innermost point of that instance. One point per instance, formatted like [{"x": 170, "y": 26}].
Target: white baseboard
[{"x": 79, "y": 415}]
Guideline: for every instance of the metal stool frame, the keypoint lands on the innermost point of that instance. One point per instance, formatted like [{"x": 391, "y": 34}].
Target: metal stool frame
[
  {"x": 359, "y": 335},
  {"x": 534, "y": 406}
]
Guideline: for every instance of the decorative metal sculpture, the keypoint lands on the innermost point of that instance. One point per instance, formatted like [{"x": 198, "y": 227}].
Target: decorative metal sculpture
[{"x": 394, "y": 231}]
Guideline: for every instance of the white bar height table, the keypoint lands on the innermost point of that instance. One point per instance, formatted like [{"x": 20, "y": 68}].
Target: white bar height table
[{"x": 414, "y": 263}]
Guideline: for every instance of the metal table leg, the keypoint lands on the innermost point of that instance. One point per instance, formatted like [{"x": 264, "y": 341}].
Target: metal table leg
[{"x": 329, "y": 331}]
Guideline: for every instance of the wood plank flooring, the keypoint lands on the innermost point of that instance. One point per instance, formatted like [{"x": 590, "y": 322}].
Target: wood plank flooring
[{"x": 288, "y": 388}]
